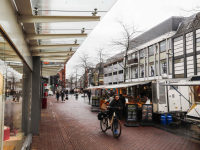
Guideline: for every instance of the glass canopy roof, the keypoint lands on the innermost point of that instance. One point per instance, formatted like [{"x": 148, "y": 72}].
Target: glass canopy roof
[{"x": 65, "y": 8}]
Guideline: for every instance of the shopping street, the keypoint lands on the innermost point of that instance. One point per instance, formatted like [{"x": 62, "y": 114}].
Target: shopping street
[{"x": 71, "y": 125}]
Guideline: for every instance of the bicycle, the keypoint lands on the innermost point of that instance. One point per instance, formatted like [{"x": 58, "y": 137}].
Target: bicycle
[{"x": 115, "y": 123}]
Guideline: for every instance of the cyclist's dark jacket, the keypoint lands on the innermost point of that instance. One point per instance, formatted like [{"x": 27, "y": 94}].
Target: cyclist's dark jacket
[{"x": 115, "y": 103}]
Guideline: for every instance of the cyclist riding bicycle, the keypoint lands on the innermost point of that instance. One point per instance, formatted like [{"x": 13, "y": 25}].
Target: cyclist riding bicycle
[{"x": 115, "y": 103}]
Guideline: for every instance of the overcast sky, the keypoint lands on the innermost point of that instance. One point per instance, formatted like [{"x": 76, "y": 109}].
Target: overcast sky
[{"x": 145, "y": 14}]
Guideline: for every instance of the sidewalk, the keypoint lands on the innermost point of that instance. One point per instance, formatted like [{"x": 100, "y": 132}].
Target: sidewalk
[{"x": 71, "y": 125}]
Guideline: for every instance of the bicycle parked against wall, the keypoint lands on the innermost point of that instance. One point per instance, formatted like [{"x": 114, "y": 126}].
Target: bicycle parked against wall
[{"x": 115, "y": 124}]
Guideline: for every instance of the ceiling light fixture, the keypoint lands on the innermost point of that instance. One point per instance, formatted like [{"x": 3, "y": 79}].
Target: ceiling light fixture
[
  {"x": 75, "y": 42},
  {"x": 36, "y": 10},
  {"x": 95, "y": 12},
  {"x": 83, "y": 30}
]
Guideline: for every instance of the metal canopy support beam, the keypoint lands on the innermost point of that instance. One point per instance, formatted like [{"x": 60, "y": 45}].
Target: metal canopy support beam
[
  {"x": 52, "y": 46},
  {"x": 53, "y": 60},
  {"x": 55, "y": 57},
  {"x": 51, "y": 19},
  {"x": 53, "y": 36},
  {"x": 52, "y": 53}
]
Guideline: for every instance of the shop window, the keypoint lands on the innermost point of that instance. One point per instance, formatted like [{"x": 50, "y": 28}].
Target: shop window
[
  {"x": 162, "y": 46},
  {"x": 198, "y": 42},
  {"x": 163, "y": 65},
  {"x": 151, "y": 70},
  {"x": 121, "y": 72},
  {"x": 141, "y": 71},
  {"x": 114, "y": 73},
  {"x": 141, "y": 54},
  {"x": 178, "y": 39},
  {"x": 134, "y": 72},
  {"x": 11, "y": 87},
  {"x": 151, "y": 50}
]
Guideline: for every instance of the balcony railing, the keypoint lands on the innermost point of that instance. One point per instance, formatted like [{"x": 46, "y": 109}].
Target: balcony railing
[{"x": 135, "y": 60}]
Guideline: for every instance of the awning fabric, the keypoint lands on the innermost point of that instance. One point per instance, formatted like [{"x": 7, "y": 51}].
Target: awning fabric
[{"x": 118, "y": 85}]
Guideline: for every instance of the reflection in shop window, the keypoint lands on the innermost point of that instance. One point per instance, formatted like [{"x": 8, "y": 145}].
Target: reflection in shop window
[
  {"x": 141, "y": 71},
  {"x": 151, "y": 69},
  {"x": 163, "y": 67}
]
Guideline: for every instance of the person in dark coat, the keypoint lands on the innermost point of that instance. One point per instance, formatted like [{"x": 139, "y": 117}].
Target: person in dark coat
[
  {"x": 89, "y": 95},
  {"x": 18, "y": 96},
  {"x": 123, "y": 101},
  {"x": 57, "y": 95},
  {"x": 62, "y": 95}
]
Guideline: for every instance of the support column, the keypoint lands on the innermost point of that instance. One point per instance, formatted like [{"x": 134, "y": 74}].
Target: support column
[
  {"x": 36, "y": 95},
  {"x": 26, "y": 103},
  {"x": 195, "y": 52},
  {"x": 184, "y": 55},
  {"x": 172, "y": 45}
]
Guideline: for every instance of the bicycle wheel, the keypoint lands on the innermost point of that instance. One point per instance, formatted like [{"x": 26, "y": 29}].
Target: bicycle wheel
[
  {"x": 117, "y": 127},
  {"x": 104, "y": 124}
]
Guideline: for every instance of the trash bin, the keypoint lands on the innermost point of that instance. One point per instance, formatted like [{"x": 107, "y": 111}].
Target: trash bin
[
  {"x": 44, "y": 103},
  {"x": 45, "y": 94}
]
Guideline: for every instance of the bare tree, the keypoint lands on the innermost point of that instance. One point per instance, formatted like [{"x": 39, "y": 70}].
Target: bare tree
[
  {"x": 126, "y": 41},
  {"x": 100, "y": 58},
  {"x": 85, "y": 64},
  {"x": 71, "y": 80}
]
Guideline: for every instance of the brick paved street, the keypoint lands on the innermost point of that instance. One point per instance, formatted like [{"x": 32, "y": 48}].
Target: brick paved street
[{"x": 71, "y": 125}]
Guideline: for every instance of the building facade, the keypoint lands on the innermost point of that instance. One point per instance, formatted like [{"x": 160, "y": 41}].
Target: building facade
[
  {"x": 151, "y": 57},
  {"x": 113, "y": 69},
  {"x": 186, "y": 48}
]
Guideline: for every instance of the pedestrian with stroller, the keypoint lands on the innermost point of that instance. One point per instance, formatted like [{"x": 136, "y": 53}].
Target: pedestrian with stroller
[
  {"x": 57, "y": 95},
  {"x": 62, "y": 95}
]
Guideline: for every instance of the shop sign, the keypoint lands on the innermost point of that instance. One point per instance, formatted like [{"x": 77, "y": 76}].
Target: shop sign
[
  {"x": 95, "y": 101},
  {"x": 147, "y": 112},
  {"x": 131, "y": 112}
]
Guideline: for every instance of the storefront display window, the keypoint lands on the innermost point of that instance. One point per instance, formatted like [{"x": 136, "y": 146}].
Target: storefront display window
[{"x": 11, "y": 72}]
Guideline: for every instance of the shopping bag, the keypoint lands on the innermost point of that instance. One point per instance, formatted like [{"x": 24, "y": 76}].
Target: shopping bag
[{"x": 104, "y": 106}]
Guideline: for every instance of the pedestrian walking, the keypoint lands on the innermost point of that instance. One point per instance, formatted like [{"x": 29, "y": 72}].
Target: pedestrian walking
[
  {"x": 89, "y": 95},
  {"x": 18, "y": 96},
  {"x": 57, "y": 95},
  {"x": 62, "y": 95}
]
